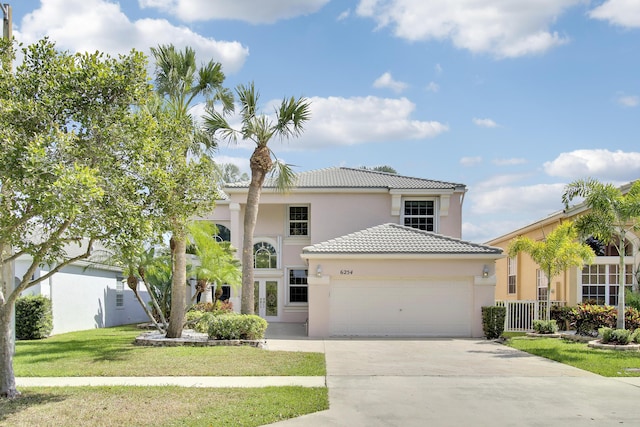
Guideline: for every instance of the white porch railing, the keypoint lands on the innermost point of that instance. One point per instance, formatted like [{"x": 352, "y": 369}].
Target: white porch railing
[{"x": 521, "y": 314}]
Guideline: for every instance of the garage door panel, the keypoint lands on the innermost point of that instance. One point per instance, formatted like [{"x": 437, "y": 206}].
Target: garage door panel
[{"x": 426, "y": 308}]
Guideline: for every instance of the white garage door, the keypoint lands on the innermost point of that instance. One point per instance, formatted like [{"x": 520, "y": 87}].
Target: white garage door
[{"x": 405, "y": 308}]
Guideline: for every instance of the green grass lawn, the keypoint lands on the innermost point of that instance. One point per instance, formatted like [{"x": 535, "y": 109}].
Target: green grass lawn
[
  {"x": 608, "y": 363},
  {"x": 159, "y": 406},
  {"x": 110, "y": 352}
]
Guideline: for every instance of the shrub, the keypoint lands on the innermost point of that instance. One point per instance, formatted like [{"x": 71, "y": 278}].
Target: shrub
[
  {"x": 34, "y": 319},
  {"x": 236, "y": 326},
  {"x": 220, "y": 307},
  {"x": 631, "y": 318},
  {"x": 621, "y": 336},
  {"x": 493, "y": 321},
  {"x": 632, "y": 299},
  {"x": 635, "y": 336},
  {"x": 545, "y": 326},
  {"x": 605, "y": 334},
  {"x": 562, "y": 316},
  {"x": 615, "y": 336},
  {"x": 588, "y": 318}
]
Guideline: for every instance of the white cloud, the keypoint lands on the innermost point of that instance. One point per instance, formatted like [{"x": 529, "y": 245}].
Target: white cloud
[
  {"x": 532, "y": 201},
  {"x": 625, "y": 13},
  {"x": 433, "y": 87},
  {"x": 252, "y": 11},
  {"x": 599, "y": 163},
  {"x": 90, "y": 25},
  {"x": 337, "y": 121},
  {"x": 438, "y": 69},
  {"x": 344, "y": 15},
  {"x": 386, "y": 81},
  {"x": 509, "y": 162},
  {"x": 628, "y": 100},
  {"x": 497, "y": 27},
  {"x": 485, "y": 123},
  {"x": 470, "y": 161}
]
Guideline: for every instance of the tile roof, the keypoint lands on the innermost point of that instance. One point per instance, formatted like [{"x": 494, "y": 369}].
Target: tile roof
[
  {"x": 398, "y": 239},
  {"x": 339, "y": 177}
]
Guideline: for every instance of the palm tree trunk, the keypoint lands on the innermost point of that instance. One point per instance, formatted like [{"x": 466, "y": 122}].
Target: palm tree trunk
[
  {"x": 621, "y": 287},
  {"x": 178, "y": 287},
  {"x": 548, "y": 295},
  {"x": 260, "y": 165}
]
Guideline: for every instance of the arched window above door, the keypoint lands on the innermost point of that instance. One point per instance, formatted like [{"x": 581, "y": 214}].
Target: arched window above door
[{"x": 264, "y": 255}]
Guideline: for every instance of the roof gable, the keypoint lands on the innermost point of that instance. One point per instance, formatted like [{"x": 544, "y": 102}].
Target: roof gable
[
  {"x": 340, "y": 177},
  {"x": 398, "y": 239}
]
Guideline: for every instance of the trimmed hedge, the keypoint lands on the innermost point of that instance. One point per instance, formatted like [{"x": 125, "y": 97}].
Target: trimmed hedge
[
  {"x": 237, "y": 327},
  {"x": 493, "y": 321},
  {"x": 34, "y": 318}
]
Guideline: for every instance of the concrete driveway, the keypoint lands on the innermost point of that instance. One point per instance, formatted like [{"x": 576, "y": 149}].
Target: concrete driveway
[{"x": 459, "y": 382}]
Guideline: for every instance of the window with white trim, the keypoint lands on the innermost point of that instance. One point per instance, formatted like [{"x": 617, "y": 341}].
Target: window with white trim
[
  {"x": 264, "y": 255},
  {"x": 297, "y": 288},
  {"x": 600, "y": 283},
  {"x": 298, "y": 221},
  {"x": 542, "y": 283},
  {"x": 512, "y": 268},
  {"x": 420, "y": 214}
]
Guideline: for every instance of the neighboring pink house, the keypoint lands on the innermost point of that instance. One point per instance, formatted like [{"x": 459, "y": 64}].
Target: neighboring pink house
[{"x": 363, "y": 253}]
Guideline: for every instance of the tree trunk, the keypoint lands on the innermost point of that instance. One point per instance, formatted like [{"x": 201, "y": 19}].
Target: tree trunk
[
  {"x": 548, "y": 296},
  {"x": 260, "y": 165},
  {"x": 178, "y": 287},
  {"x": 7, "y": 377},
  {"x": 621, "y": 287},
  {"x": 132, "y": 282}
]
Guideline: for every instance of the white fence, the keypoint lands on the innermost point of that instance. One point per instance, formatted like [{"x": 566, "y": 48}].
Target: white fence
[{"x": 521, "y": 314}]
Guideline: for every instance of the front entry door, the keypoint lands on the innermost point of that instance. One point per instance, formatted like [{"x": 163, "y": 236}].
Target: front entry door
[{"x": 266, "y": 298}]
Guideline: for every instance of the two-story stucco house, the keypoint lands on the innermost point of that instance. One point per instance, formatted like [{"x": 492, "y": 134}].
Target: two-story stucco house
[
  {"x": 356, "y": 252},
  {"x": 519, "y": 278}
]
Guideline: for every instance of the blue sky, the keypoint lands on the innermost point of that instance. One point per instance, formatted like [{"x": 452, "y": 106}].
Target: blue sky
[{"x": 515, "y": 99}]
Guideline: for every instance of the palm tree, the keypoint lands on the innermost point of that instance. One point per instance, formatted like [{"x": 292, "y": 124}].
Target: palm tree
[
  {"x": 180, "y": 81},
  {"x": 288, "y": 122},
  {"x": 557, "y": 252},
  {"x": 612, "y": 214}
]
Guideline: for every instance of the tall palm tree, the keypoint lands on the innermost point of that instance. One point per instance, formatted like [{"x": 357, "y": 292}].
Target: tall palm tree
[
  {"x": 288, "y": 122},
  {"x": 557, "y": 252},
  {"x": 180, "y": 82},
  {"x": 612, "y": 214}
]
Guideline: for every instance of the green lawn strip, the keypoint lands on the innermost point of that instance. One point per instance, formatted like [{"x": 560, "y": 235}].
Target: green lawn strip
[
  {"x": 159, "y": 406},
  {"x": 110, "y": 352},
  {"x": 608, "y": 363}
]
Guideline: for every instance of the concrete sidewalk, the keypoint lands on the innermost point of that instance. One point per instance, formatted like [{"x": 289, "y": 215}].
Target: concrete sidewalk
[{"x": 214, "y": 382}]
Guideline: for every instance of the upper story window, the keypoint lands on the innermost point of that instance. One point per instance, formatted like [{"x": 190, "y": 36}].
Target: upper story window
[
  {"x": 298, "y": 221},
  {"x": 264, "y": 255},
  {"x": 512, "y": 267},
  {"x": 420, "y": 214}
]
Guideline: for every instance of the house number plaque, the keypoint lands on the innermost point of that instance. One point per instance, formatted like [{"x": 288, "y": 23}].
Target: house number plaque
[{"x": 346, "y": 272}]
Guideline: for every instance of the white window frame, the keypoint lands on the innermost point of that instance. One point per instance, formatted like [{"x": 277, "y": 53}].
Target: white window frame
[
  {"x": 291, "y": 221},
  {"x": 435, "y": 215},
  {"x": 289, "y": 285},
  {"x": 607, "y": 277},
  {"x": 541, "y": 283},
  {"x": 512, "y": 275},
  {"x": 276, "y": 248}
]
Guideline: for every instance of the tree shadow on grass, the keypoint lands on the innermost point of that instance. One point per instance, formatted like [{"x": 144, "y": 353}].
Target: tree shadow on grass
[
  {"x": 49, "y": 351},
  {"x": 9, "y": 407}
]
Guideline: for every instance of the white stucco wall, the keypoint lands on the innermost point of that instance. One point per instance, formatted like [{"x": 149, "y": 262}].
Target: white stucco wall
[{"x": 85, "y": 299}]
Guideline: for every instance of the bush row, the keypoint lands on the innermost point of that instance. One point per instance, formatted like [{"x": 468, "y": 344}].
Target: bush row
[{"x": 227, "y": 326}]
